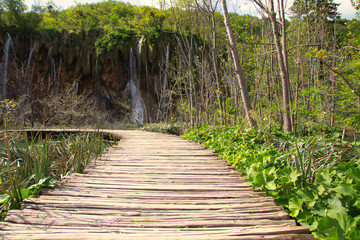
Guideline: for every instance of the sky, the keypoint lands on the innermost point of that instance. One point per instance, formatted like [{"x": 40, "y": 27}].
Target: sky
[{"x": 244, "y": 6}]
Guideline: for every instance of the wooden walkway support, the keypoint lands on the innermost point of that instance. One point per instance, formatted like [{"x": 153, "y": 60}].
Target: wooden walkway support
[{"x": 153, "y": 186}]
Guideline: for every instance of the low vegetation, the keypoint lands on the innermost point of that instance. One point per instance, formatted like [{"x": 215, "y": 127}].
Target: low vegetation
[
  {"x": 170, "y": 128},
  {"x": 314, "y": 177},
  {"x": 29, "y": 163}
]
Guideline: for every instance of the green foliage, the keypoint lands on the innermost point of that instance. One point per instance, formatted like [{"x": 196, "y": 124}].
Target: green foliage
[
  {"x": 110, "y": 40},
  {"x": 38, "y": 162},
  {"x": 170, "y": 128},
  {"x": 14, "y": 10},
  {"x": 311, "y": 177},
  {"x": 8, "y": 203},
  {"x": 16, "y": 15},
  {"x": 121, "y": 15},
  {"x": 29, "y": 164}
]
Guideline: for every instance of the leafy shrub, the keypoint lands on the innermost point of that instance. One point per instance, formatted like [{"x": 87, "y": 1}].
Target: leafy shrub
[
  {"x": 171, "y": 128},
  {"x": 110, "y": 40},
  {"x": 316, "y": 179}
]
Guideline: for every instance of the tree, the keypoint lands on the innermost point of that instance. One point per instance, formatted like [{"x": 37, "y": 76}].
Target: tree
[
  {"x": 1, "y": 10},
  {"x": 281, "y": 55},
  {"x": 356, "y": 4},
  {"x": 14, "y": 9},
  {"x": 238, "y": 69}
]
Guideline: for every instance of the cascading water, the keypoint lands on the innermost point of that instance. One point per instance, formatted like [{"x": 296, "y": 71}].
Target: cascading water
[
  {"x": 55, "y": 75},
  {"x": 136, "y": 101},
  {"x": 77, "y": 88},
  {"x": 140, "y": 54},
  {"x": 9, "y": 55},
  {"x": 141, "y": 41},
  {"x": 48, "y": 55},
  {"x": 27, "y": 79},
  {"x": 27, "y": 70}
]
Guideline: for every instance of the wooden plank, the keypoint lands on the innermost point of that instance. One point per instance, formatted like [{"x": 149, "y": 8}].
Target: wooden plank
[
  {"x": 77, "y": 192},
  {"x": 156, "y": 206},
  {"x": 153, "y": 216},
  {"x": 110, "y": 198}
]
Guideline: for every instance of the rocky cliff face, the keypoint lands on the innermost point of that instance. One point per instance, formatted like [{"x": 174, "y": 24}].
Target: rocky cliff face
[{"x": 57, "y": 60}]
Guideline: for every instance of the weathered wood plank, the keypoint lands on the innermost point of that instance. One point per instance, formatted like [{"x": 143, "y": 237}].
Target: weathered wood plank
[{"x": 157, "y": 216}]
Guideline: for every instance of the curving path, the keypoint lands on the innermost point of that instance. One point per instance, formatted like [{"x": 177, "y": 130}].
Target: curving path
[{"x": 153, "y": 186}]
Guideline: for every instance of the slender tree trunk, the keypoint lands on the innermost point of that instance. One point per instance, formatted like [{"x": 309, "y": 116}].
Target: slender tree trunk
[
  {"x": 283, "y": 72},
  {"x": 238, "y": 69},
  {"x": 281, "y": 57},
  {"x": 286, "y": 61},
  {"x": 216, "y": 71}
]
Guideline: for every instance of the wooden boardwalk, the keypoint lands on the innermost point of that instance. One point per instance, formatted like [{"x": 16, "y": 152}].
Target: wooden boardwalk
[{"x": 153, "y": 186}]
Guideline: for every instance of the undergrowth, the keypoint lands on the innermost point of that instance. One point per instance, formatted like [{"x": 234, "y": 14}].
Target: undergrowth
[
  {"x": 315, "y": 178},
  {"x": 163, "y": 127},
  {"x": 30, "y": 163}
]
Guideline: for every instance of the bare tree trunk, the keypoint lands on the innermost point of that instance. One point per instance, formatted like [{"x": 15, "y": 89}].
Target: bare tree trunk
[
  {"x": 216, "y": 71},
  {"x": 281, "y": 61},
  {"x": 286, "y": 61},
  {"x": 238, "y": 69},
  {"x": 283, "y": 73}
]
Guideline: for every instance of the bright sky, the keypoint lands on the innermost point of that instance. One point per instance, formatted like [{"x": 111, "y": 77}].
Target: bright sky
[{"x": 345, "y": 8}]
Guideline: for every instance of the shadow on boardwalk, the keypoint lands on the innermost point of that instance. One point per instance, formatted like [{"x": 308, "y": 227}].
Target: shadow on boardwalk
[{"x": 153, "y": 186}]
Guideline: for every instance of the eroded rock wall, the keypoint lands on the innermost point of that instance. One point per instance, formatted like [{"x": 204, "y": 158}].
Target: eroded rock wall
[{"x": 64, "y": 58}]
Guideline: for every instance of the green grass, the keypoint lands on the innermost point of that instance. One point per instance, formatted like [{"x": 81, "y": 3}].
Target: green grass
[{"x": 31, "y": 163}]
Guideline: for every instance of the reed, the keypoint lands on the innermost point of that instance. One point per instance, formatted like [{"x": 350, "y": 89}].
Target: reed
[{"x": 30, "y": 163}]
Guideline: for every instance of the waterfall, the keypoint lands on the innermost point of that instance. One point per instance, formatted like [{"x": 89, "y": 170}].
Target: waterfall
[
  {"x": 140, "y": 54},
  {"x": 27, "y": 80},
  {"x": 77, "y": 88},
  {"x": 136, "y": 101},
  {"x": 140, "y": 45},
  {"x": 48, "y": 55},
  {"x": 27, "y": 69},
  {"x": 55, "y": 75},
  {"x": 9, "y": 54}
]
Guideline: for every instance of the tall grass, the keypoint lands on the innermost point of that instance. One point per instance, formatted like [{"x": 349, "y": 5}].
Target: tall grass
[{"x": 29, "y": 163}]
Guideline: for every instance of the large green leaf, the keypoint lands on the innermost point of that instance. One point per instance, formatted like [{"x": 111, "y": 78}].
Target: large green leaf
[
  {"x": 28, "y": 192},
  {"x": 324, "y": 178},
  {"x": 294, "y": 175},
  {"x": 48, "y": 182},
  {"x": 327, "y": 230},
  {"x": 319, "y": 189},
  {"x": 259, "y": 181},
  {"x": 336, "y": 226},
  {"x": 295, "y": 205},
  {"x": 335, "y": 206},
  {"x": 346, "y": 190},
  {"x": 308, "y": 196},
  {"x": 264, "y": 180},
  {"x": 319, "y": 210},
  {"x": 4, "y": 198},
  {"x": 353, "y": 173}
]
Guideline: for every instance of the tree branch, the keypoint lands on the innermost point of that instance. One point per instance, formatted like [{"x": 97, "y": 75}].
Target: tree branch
[{"x": 347, "y": 82}]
